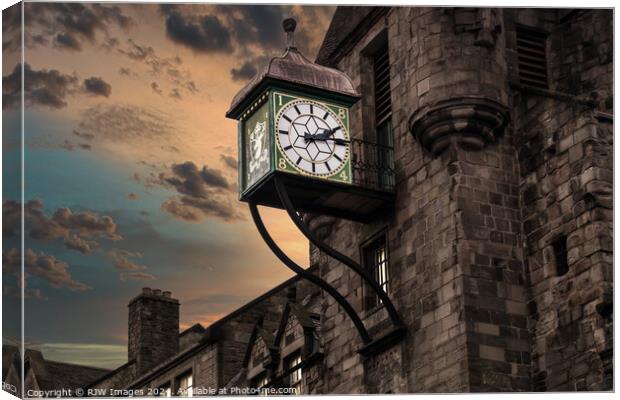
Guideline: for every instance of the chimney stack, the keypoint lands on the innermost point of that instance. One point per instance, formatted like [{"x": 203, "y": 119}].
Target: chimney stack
[{"x": 153, "y": 328}]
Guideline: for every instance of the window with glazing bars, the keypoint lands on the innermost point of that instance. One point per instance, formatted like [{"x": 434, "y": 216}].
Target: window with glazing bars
[
  {"x": 295, "y": 377},
  {"x": 376, "y": 262},
  {"x": 383, "y": 114},
  {"x": 185, "y": 386},
  {"x": 532, "y": 57}
]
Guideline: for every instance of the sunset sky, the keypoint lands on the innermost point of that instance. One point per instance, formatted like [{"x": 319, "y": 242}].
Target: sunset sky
[{"x": 130, "y": 173}]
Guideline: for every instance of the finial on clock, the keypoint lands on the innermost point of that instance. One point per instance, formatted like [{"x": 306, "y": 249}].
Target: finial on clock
[{"x": 289, "y": 26}]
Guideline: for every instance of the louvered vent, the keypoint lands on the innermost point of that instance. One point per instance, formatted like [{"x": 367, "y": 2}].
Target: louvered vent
[
  {"x": 383, "y": 102},
  {"x": 531, "y": 50}
]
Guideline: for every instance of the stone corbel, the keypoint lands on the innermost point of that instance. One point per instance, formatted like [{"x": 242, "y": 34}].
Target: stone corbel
[
  {"x": 470, "y": 122},
  {"x": 488, "y": 29},
  {"x": 483, "y": 21}
]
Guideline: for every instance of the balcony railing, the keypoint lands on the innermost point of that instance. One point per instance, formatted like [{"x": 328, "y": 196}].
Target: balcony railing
[{"x": 372, "y": 165}]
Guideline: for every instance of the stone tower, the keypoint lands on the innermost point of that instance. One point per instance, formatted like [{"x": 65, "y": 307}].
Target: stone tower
[
  {"x": 153, "y": 328},
  {"x": 499, "y": 242}
]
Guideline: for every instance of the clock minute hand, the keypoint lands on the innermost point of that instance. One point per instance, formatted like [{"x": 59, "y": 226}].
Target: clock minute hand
[{"x": 339, "y": 141}]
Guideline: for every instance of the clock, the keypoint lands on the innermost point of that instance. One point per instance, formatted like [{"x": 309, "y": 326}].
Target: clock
[
  {"x": 311, "y": 138},
  {"x": 294, "y": 135}
]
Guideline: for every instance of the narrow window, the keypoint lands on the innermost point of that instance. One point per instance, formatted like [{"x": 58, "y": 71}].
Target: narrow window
[
  {"x": 561, "y": 255},
  {"x": 376, "y": 262},
  {"x": 260, "y": 381},
  {"x": 295, "y": 377},
  {"x": 185, "y": 385},
  {"x": 383, "y": 115},
  {"x": 532, "y": 57},
  {"x": 291, "y": 330},
  {"x": 259, "y": 353},
  {"x": 164, "y": 390}
]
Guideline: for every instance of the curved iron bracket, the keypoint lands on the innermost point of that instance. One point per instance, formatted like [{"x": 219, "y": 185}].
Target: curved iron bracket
[
  {"x": 359, "y": 325},
  {"x": 288, "y": 205}
]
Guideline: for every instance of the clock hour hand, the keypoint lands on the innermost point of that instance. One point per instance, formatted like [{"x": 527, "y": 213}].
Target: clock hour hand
[{"x": 319, "y": 136}]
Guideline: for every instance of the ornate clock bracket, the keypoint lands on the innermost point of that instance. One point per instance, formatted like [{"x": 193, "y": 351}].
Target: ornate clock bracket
[
  {"x": 370, "y": 346},
  {"x": 299, "y": 270}
]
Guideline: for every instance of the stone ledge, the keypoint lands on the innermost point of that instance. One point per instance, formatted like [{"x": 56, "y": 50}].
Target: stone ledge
[
  {"x": 383, "y": 343},
  {"x": 471, "y": 122}
]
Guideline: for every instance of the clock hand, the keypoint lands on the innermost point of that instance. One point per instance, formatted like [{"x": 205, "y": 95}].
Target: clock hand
[
  {"x": 339, "y": 141},
  {"x": 319, "y": 136}
]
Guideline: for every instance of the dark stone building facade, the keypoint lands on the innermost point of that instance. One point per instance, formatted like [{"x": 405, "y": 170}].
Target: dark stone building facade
[{"x": 497, "y": 252}]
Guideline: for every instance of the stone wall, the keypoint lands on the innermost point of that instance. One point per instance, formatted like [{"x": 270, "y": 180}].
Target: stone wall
[{"x": 565, "y": 159}]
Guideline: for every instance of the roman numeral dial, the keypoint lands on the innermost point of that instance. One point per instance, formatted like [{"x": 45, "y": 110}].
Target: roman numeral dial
[{"x": 312, "y": 138}]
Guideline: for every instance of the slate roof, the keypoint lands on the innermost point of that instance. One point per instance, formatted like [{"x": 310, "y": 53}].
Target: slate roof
[
  {"x": 10, "y": 354},
  {"x": 69, "y": 376},
  {"x": 293, "y": 67},
  {"x": 346, "y": 24},
  {"x": 196, "y": 328},
  {"x": 52, "y": 375}
]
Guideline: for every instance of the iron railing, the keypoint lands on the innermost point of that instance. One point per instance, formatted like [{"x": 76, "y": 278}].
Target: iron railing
[{"x": 372, "y": 165}]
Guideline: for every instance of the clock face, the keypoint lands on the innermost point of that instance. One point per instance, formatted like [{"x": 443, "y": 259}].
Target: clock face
[{"x": 312, "y": 138}]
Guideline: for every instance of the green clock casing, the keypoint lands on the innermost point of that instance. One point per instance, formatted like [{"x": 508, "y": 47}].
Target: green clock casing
[{"x": 295, "y": 134}]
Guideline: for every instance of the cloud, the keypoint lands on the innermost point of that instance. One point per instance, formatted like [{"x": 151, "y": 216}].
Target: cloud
[
  {"x": 203, "y": 192},
  {"x": 137, "y": 52},
  {"x": 229, "y": 161},
  {"x": 257, "y": 23},
  {"x": 181, "y": 211},
  {"x": 224, "y": 26},
  {"x": 72, "y": 24},
  {"x": 129, "y": 270},
  {"x": 156, "y": 88},
  {"x": 43, "y": 87},
  {"x": 29, "y": 293},
  {"x": 245, "y": 72},
  {"x": 86, "y": 223},
  {"x": 175, "y": 94},
  {"x": 74, "y": 242},
  {"x": 120, "y": 260},
  {"x": 83, "y": 135},
  {"x": 189, "y": 180},
  {"x": 74, "y": 227},
  {"x": 11, "y": 28},
  {"x": 168, "y": 68},
  {"x": 194, "y": 209},
  {"x": 137, "y": 276},
  {"x": 48, "y": 88},
  {"x": 205, "y": 34},
  {"x": 67, "y": 145},
  {"x": 97, "y": 87},
  {"x": 123, "y": 123},
  {"x": 66, "y": 41},
  {"x": 43, "y": 266},
  {"x": 252, "y": 33}
]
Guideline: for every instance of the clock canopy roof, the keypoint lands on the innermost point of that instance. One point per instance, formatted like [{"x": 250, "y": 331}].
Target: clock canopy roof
[{"x": 293, "y": 69}]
